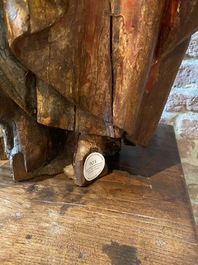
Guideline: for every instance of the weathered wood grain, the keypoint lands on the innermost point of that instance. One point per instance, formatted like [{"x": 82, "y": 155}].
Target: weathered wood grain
[
  {"x": 144, "y": 218},
  {"x": 103, "y": 57},
  {"x": 135, "y": 31},
  {"x": 102, "y": 68},
  {"x": 2, "y": 152}
]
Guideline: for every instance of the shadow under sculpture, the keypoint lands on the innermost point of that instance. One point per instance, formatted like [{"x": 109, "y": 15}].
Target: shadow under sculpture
[{"x": 76, "y": 77}]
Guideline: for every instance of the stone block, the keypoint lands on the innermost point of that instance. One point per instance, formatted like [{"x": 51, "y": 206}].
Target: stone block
[
  {"x": 190, "y": 129},
  {"x": 187, "y": 125},
  {"x": 188, "y": 74},
  {"x": 192, "y": 50},
  {"x": 182, "y": 99},
  {"x": 168, "y": 118},
  {"x": 193, "y": 190},
  {"x": 190, "y": 173},
  {"x": 192, "y": 102},
  {"x": 195, "y": 211},
  {"x": 186, "y": 148}
]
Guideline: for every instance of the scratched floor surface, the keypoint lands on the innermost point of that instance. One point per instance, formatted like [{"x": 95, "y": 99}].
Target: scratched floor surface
[{"x": 138, "y": 214}]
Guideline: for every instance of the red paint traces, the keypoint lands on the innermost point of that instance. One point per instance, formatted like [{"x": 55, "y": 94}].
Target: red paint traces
[
  {"x": 167, "y": 23},
  {"x": 129, "y": 24},
  {"x": 130, "y": 10},
  {"x": 170, "y": 14},
  {"x": 89, "y": 38},
  {"x": 85, "y": 80},
  {"x": 153, "y": 77},
  {"x": 131, "y": 50},
  {"x": 173, "y": 10},
  {"x": 129, "y": 4}
]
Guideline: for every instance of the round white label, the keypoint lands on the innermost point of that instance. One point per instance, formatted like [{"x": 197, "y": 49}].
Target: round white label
[{"x": 93, "y": 166}]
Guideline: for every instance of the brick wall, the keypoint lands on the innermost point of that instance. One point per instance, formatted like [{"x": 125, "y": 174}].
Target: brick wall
[{"x": 181, "y": 111}]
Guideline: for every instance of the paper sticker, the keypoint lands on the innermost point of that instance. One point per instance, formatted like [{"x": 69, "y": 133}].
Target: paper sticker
[{"x": 93, "y": 166}]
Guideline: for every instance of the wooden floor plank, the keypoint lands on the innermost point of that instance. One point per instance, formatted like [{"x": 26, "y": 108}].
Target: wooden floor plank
[{"x": 138, "y": 214}]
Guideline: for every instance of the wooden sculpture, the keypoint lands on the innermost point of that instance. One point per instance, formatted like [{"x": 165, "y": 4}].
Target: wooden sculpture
[{"x": 76, "y": 77}]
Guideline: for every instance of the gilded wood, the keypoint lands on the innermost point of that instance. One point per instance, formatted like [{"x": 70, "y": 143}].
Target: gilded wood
[{"x": 89, "y": 68}]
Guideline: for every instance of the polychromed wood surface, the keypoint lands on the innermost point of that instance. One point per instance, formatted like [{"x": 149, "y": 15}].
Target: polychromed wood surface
[{"x": 138, "y": 214}]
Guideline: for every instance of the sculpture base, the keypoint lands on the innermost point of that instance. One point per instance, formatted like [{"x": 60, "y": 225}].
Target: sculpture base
[{"x": 138, "y": 214}]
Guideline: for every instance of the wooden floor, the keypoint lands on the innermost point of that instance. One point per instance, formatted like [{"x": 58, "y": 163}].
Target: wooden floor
[{"x": 138, "y": 214}]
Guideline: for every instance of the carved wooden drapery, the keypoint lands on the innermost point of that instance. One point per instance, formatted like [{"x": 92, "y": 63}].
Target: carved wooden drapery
[{"x": 100, "y": 70}]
